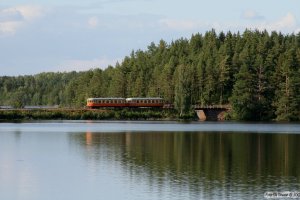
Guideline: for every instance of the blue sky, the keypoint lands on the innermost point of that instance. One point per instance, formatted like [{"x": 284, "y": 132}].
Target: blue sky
[{"x": 64, "y": 35}]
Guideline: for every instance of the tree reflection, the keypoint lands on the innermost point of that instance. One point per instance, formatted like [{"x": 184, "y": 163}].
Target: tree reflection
[{"x": 201, "y": 161}]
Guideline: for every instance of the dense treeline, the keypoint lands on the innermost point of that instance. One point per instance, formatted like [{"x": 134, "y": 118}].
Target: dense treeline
[{"x": 257, "y": 73}]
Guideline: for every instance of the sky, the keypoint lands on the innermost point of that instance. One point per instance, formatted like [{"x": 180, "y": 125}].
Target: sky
[{"x": 77, "y": 35}]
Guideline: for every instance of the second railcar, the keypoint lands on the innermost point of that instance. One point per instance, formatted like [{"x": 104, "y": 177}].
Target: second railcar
[{"x": 145, "y": 102}]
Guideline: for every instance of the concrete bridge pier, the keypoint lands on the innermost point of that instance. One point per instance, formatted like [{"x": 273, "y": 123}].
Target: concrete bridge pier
[{"x": 201, "y": 115}]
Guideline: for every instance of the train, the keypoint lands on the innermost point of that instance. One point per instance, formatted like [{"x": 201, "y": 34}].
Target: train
[{"x": 132, "y": 102}]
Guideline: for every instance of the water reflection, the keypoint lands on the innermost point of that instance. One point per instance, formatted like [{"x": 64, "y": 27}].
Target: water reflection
[{"x": 200, "y": 165}]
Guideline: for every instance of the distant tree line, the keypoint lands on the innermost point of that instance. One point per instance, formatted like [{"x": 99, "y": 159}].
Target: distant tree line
[{"x": 257, "y": 73}]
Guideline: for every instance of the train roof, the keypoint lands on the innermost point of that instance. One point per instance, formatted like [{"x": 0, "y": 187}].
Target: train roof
[
  {"x": 144, "y": 98},
  {"x": 107, "y": 98},
  {"x": 131, "y": 98}
]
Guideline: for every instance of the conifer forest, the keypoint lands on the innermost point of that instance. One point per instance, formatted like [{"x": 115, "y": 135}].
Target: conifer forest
[{"x": 257, "y": 73}]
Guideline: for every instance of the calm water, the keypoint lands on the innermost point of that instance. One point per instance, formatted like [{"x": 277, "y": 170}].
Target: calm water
[{"x": 147, "y": 160}]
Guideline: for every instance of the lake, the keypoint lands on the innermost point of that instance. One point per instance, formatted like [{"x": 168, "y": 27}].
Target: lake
[{"x": 136, "y": 160}]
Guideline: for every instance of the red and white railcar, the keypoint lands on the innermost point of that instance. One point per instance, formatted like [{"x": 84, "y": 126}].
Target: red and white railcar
[{"x": 106, "y": 102}]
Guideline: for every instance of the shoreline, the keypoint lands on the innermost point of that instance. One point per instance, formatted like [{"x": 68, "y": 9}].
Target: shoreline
[{"x": 93, "y": 114}]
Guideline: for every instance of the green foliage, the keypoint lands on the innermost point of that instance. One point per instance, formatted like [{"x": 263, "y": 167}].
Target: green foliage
[
  {"x": 256, "y": 72},
  {"x": 18, "y": 99},
  {"x": 81, "y": 114}
]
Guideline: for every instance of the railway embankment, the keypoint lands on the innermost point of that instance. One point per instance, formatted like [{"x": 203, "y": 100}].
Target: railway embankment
[{"x": 93, "y": 114}]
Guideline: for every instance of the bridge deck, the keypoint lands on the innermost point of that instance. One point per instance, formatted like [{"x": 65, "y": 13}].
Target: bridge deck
[{"x": 205, "y": 107}]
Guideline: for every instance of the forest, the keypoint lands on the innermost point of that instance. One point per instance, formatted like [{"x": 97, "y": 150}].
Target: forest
[{"x": 256, "y": 72}]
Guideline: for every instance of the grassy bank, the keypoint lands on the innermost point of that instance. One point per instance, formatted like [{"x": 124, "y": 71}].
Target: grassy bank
[{"x": 88, "y": 114}]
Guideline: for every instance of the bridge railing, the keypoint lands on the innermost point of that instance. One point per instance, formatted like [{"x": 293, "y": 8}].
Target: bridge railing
[{"x": 200, "y": 107}]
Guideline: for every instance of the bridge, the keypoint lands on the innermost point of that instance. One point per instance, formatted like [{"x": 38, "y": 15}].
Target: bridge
[{"x": 211, "y": 112}]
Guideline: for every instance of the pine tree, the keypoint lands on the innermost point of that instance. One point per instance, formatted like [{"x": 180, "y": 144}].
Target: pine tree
[
  {"x": 287, "y": 96},
  {"x": 182, "y": 89},
  {"x": 242, "y": 100}
]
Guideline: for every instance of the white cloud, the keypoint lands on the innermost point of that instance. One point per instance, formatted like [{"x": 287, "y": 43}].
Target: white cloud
[
  {"x": 10, "y": 15},
  {"x": 83, "y": 65},
  {"x": 93, "y": 22},
  {"x": 252, "y": 15},
  {"x": 30, "y": 12},
  {"x": 9, "y": 28},
  {"x": 11, "y": 19},
  {"x": 287, "y": 23}
]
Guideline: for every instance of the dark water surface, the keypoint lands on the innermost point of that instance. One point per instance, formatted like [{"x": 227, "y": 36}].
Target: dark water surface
[{"x": 60, "y": 160}]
